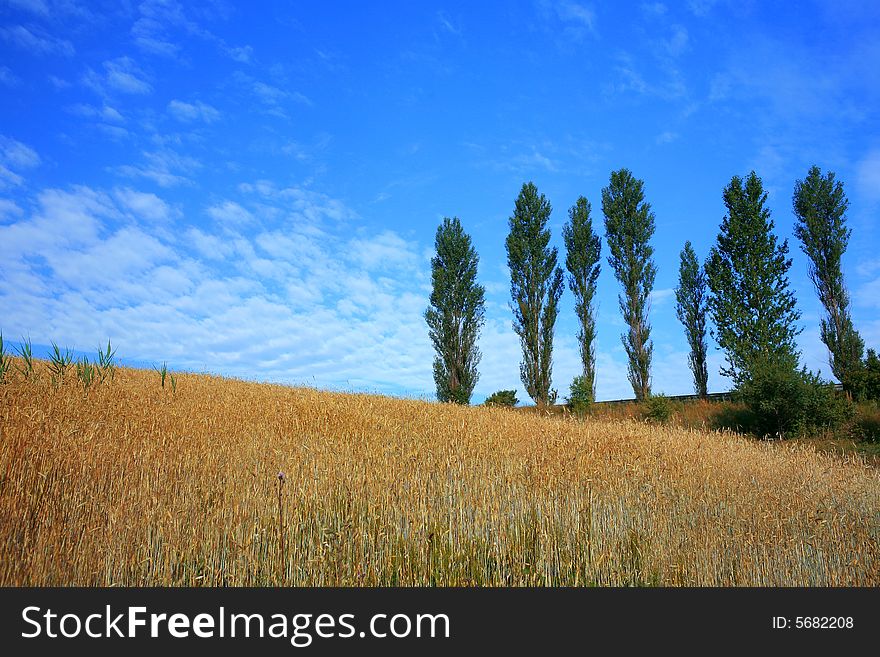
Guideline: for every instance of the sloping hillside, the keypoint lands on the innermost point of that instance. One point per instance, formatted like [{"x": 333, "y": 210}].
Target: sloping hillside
[{"x": 132, "y": 483}]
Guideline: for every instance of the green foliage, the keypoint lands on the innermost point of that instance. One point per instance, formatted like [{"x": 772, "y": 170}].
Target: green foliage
[
  {"x": 456, "y": 313},
  {"x": 26, "y": 352},
  {"x": 583, "y": 249},
  {"x": 786, "y": 402},
  {"x": 751, "y": 304},
  {"x": 864, "y": 381},
  {"x": 535, "y": 287},
  {"x": 581, "y": 394},
  {"x": 657, "y": 408},
  {"x": 59, "y": 362},
  {"x": 867, "y": 423},
  {"x": 106, "y": 366},
  {"x": 629, "y": 226},
  {"x": 690, "y": 297},
  {"x": 820, "y": 208},
  {"x": 502, "y": 398},
  {"x": 163, "y": 372},
  {"x": 5, "y": 362},
  {"x": 173, "y": 383},
  {"x": 85, "y": 372}
]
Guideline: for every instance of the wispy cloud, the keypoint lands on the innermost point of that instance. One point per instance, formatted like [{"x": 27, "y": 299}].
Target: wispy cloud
[
  {"x": 630, "y": 80},
  {"x": 104, "y": 113},
  {"x": 189, "y": 112},
  {"x": 701, "y": 7},
  {"x": 121, "y": 75},
  {"x": 448, "y": 24},
  {"x": 249, "y": 305},
  {"x": 274, "y": 99},
  {"x": 230, "y": 213},
  {"x": 868, "y": 180},
  {"x": 8, "y": 78},
  {"x": 164, "y": 27},
  {"x": 15, "y": 156},
  {"x": 242, "y": 54},
  {"x": 654, "y": 8},
  {"x": 661, "y": 297},
  {"x": 9, "y": 209},
  {"x": 577, "y": 13},
  {"x": 666, "y": 137},
  {"x": 38, "y": 7},
  {"x": 166, "y": 168},
  {"x": 143, "y": 205},
  {"x": 37, "y": 41}
]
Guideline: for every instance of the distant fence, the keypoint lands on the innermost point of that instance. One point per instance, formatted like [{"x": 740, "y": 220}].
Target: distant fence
[{"x": 712, "y": 396}]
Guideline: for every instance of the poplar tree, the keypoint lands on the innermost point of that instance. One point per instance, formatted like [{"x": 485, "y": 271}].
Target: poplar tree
[
  {"x": 750, "y": 303},
  {"x": 583, "y": 249},
  {"x": 690, "y": 307},
  {"x": 535, "y": 287},
  {"x": 629, "y": 226},
  {"x": 456, "y": 313},
  {"x": 820, "y": 208}
]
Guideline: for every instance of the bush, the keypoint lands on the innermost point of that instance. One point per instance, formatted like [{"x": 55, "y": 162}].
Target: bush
[
  {"x": 866, "y": 425},
  {"x": 784, "y": 402},
  {"x": 657, "y": 408},
  {"x": 580, "y": 396},
  {"x": 502, "y": 398},
  {"x": 864, "y": 383}
]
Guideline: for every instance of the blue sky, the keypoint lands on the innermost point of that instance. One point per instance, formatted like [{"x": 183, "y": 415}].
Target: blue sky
[{"x": 253, "y": 189}]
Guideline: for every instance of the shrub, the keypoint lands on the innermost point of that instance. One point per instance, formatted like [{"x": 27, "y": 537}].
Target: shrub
[
  {"x": 85, "y": 372},
  {"x": 26, "y": 352},
  {"x": 163, "y": 373},
  {"x": 786, "y": 402},
  {"x": 5, "y": 362},
  {"x": 867, "y": 423},
  {"x": 864, "y": 382},
  {"x": 502, "y": 398},
  {"x": 106, "y": 366},
  {"x": 657, "y": 408},
  {"x": 580, "y": 396},
  {"x": 59, "y": 361}
]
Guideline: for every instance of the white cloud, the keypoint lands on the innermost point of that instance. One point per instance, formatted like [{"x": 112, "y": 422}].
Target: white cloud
[
  {"x": 868, "y": 294},
  {"x": 15, "y": 156},
  {"x": 577, "y": 13},
  {"x": 9, "y": 209},
  {"x": 666, "y": 137},
  {"x": 661, "y": 297},
  {"x": 869, "y": 176},
  {"x": 447, "y": 23},
  {"x": 654, "y": 8},
  {"x": 104, "y": 113},
  {"x": 80, "y": 271},
  {"x": 242, "y": 54},
  {"x": 230, "y": 213},
  {"x": 701, "y": 7},
  {"x": 36, "y": 41},
  {"x": 188, "y": 112},
  {"x": 677, "y": 42},
  {"x": 121, "y": 74},
  {"x": 8, "y": 78},
  {"x": 275, "y": 100},
  {"x": 386, "y": 250},
  {"x": 38, "y": 7},
  {"x": 165, "y": 167},
  {"x": 143, "y": 205}
]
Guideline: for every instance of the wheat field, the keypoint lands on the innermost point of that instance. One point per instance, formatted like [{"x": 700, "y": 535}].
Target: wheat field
[{"x": 223, "y": 482}]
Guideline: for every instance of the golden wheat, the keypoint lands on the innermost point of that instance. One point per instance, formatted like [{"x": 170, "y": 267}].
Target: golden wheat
[{"x": 127, "y": 483}]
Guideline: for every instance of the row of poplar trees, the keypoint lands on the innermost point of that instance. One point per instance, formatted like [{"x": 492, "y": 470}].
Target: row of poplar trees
[{"x": 743, "y": 286}]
